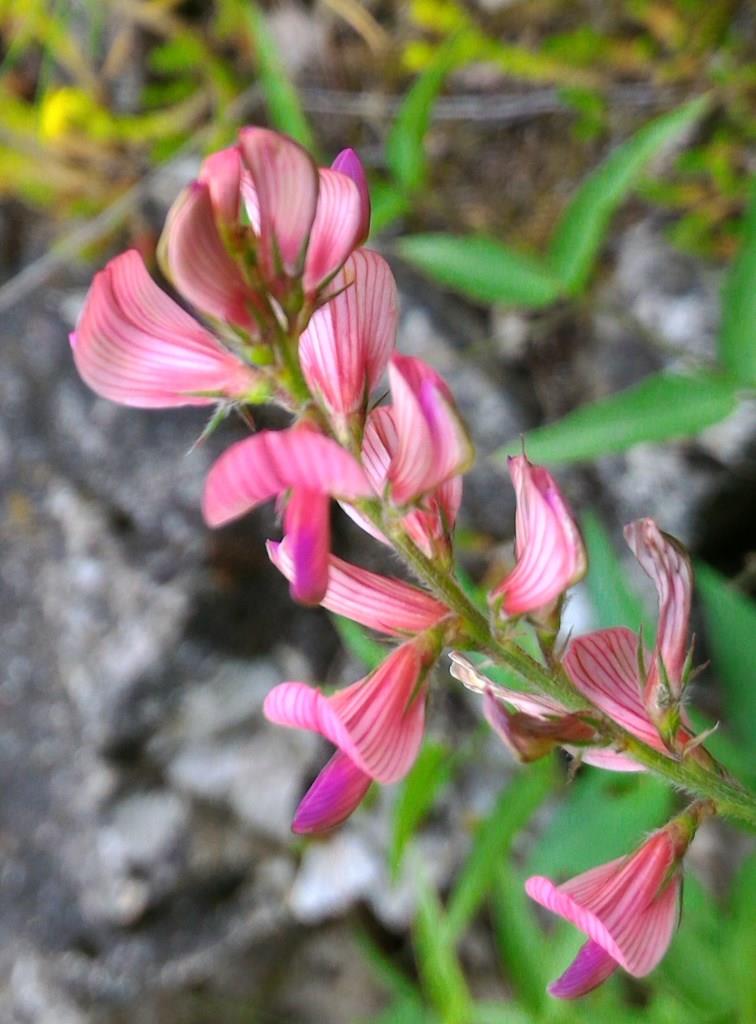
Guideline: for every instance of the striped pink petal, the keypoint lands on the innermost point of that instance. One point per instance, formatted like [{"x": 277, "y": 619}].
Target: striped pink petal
[
  {"x": 332, "y": 797},
  {"x": 432, "y": 444},
  {"x": 272, "y": 461},
  {"x": 628, "y": 907},
  {"x": 136, "y": 346},
  {"x": 550, "y": 552},
  {"x": 307, "y": 525},
  {"x": 592, "y": 966},
  {"x": 194, "y": 258},
  {"x": 336, "y": 230},
  {"x": 347, "y": 162},
  {"x": 668, "y": 565},
  {"x": 379, "y": 602},
  {"x": 222, "y": 173},
  {"x": 377, "y": 722},
  {"x": 348, "y": 341},
  {"x": 431, "y": 525},
  {"x": 286, "y": 189}
]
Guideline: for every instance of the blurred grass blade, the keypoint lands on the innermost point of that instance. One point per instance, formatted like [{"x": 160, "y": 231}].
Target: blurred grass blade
[
  {"x": 731, "y": 628},
  {"x": 614, "y": 602},
  {"x": 737, "y": 342},
  {"x": 440, "y": 970},
  {"x": 512, "y": 810},
  {"x": 282, "y": 101},
  {"x": 387, "y": 203},
  {"x": 405, "y": 145},
  {"x": 428, "y": 775},
  {"x": 481, "y": 268},
  {"x": 361, "y": 646},
  {"x": 742, "y": 938},
  {"x": 584, "y": 224},
  {"x": 661, "y": 407},
  {"x": 518, "y": 937}
]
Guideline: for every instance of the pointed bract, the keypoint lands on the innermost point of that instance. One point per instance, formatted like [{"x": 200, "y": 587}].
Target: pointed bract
[
  {"x": 379, "y": 602},
  {"x": 550, "y": 552},
  {"x": 135, "y": 345}
]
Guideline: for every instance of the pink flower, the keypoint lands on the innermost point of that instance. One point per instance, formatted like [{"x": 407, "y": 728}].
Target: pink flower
[
  {"x": 135, "y": 346},
  {"x": 378, "y": 602},
  {"x": 300, "y": 461},
  {"x": 376, "y": 724},
  {"x": 628, "y": 908},
  {"x": 549, "y": 549},
  {"x": 345, "y": 348}
]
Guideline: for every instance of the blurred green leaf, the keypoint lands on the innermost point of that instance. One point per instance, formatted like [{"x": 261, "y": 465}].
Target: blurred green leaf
[
  {"x": 742, "y": 940},
  {"x": 405, "y": 1011},
  {"x": 358, "y": 643},
  {"x": 499, "y": 1013},
  {"x": 281, "y": 97},
  {"x": 585, "y": 222},
  {"x": 428, "y": 775},
  {"x": 518, "y": 937},
  {"x": 731, "y": 628},
  {"x": 513, "y": 809},
  {"x": 737, "y": 341},
  {"x": 661, "y": 407},
  {"x": 578, "y": 838},
  {"x": 405, "y": 145},
  {"x": 481, "y": 268},
  {"x": 614, "y": 602},
  {"x": 387, "y": 203},
  {"x": 440, "y": 970}
]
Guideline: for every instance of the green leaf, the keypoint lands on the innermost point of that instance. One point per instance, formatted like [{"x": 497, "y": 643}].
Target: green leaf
[
  {"x": 427, "y": 776},
  {"x": 358, "y": 643},
  {"x": 737, "y": 341},
  {"x": 614, "y": 602},
  {"x": 282, "y": 101},
  {"x": 518, "y": 937},
  {"x": 584, "y": 224},
  {"x": 661, "y": 407},
  {"x": 405, "y": 145},
  {"x": 387, "y": 204},
  {"x": 578, "y": 838},
  {"x": 730, "y": 630},
  {"x": 512, "y": 810},
  {"x": 481, "y": 268},
  {"x": 440, "y": 970},
  {"x": 742, "y": 935}
]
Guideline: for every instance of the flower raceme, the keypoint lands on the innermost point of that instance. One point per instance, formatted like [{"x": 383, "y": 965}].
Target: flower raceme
[{"x": 628, "y": 908}]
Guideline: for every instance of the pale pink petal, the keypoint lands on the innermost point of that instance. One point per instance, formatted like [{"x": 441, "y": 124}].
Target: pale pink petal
[
  {"x": 336, "y": 230},
  {"x": 668, "y": 565},
  {"x": 272, "y": 461},
  {"x": 379, "y": 602},
  {"x": 286, "y": 187},
  {"x": 347, "y": 343},
  {"x": 308, "y": 537},
  {"x": 377, "y": 722},
  {"x": 136, "y": 346},
  {"x": 431, "y": 524},
  {"x": 592, "y": 966},
  {"x": 347, "y": 162},
  {"x": 332, "y": 797},
  {"x": 222, "y": 173},
  {"x": 478, "y": 682},
  {"x": 194, "y": 258},
  {"x": 550, "y": 552}
]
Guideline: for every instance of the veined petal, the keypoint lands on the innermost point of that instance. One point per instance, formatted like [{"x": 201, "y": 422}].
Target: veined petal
[
  {"x": 332, "y": 797},
  {"x": 473, "y": 679},
  {"x": 550, "y": 552},
  {"x": 377, "y": 722},
  {"x": 336, "y": 230},
  {"x": 588, "y": 970},
  {"x": 379, "y": 602},
  {"x": 667, "y": 563},
  {"x": 136, "y": 346},
  {"x": 348, "y": 341},
  {"x": 347, "y": 162},
  {"x": 286, "y": 188},
  {"x": 222, "y": 173},
  {"x": 308, "y": 537},
  {"x": 272, "y": 461},
  {"x": 194, "y": 258}
]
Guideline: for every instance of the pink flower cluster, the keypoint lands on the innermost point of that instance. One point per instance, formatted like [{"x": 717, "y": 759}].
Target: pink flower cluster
[{"x": 268, "y": 249}]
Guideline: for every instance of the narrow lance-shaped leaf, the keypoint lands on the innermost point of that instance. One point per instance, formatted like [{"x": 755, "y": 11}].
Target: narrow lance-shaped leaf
[
  {"x": 583, "y": 226},
  {"x": 737, "y": 342},
  {"x": 662, "y": 406},
  {"x": 482, "y": 269},
  {"x": 439, "y": 967}
]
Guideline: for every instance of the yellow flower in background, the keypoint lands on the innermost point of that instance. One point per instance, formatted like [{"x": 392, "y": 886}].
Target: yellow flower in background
[{"x": 68, "y": 111}]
